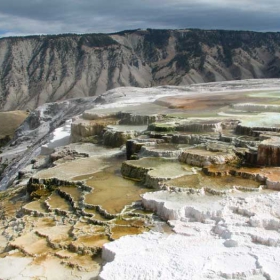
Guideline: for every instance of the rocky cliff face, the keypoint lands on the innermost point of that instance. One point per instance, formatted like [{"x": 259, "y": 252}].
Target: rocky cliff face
[{"x": 39, "y": 69}]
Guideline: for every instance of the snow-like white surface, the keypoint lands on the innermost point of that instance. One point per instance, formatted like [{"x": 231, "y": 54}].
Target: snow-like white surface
[
  {"x": 233, "y": 237},
  {"x": 20, "y": 268},
  {"x": 59, "y": 137},
  {"x": 251, "y": 107},
  {"x": 122, "y": 97},
  {"x": 131, "y": 96},
  {"x": 11, "y": 267}
]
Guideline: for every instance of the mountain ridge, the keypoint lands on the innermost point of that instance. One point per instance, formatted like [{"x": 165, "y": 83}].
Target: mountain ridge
[{"x": 48, "y": 68}]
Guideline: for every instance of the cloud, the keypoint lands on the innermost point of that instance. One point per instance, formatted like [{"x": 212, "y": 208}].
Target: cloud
[{"x": 86, "y": 16}]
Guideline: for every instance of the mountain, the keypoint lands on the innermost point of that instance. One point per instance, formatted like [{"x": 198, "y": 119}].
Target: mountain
[{"x": 39, "y": 69}]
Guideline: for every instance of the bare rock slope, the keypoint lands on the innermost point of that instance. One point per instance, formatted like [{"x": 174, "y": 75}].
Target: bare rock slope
[{"x": 39, "y": 69}]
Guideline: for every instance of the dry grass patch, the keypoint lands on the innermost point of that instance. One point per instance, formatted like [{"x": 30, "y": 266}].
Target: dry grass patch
[{"x": 10, "y": 121}]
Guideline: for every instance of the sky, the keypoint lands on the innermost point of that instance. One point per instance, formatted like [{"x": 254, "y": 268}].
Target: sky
[{"x": 29, "y": 17}]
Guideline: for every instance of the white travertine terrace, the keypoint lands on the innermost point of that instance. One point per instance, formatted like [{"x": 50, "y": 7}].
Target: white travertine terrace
[
  {"x": 251, "y": 107},
  {"x": 214, "y": 238},
  {"x": 221, "y": 229}
]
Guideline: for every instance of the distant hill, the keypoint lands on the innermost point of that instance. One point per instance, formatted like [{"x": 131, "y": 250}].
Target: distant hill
[{"x": 39, "y": 69}]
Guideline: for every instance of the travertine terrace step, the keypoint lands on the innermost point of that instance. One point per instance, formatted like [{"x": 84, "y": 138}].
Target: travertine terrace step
[
  {"x": 36, "y": 207},
  {"x": 81, "y": 262},
  {"x": 89, "y": 244},
  {"x": 31, "y": 244},
  {"x": 72, "y": 194},
  {"x": 57, "y": 237},
  {"x": 58, "y": 204}
]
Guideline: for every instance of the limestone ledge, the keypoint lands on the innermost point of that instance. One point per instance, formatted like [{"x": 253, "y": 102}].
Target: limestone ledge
[
  {"x": 81, "y": 128},
  {"x": 75, "y": 205},
  {"x": 154, "y": 172},
  {"x": 269, "y": 153},
  {"x": 100, "y": 210},
  {"x": 123, "y": 117},
  {"x": 191, "y": 139},
  {"x": 84, "y": 249},
  {"x": 35, "y": 182},
  {"x": 93, "y": 124},
  {"x": 212, "y": 191},
  {"x": 170, "y": 211},
  {"x": 97, "y": 208},
  {"x": 203, "y": 158},
  {"x": 74, "y": 260},
  {"x": 113, "y": 138},
  {"x": 227, "y": 171},
  {"x": 254, "y": 130},
  {"x": 251, "y": 107},
  {"x": 54, "y": 240},
  {"x": 92, "y": 115},
  {"x": 194, "y": 126},
  {"x": 33, "y": 212},
  {"x": 259, "y": 177},
  {"x": 133, "y": 146},
  {"x": 134, "y": 172},
  {"x": 144, "y": 145},
  {"x": 134, "y": 119},
  {"x": 270, "y": 179},
  {"x": 216, "y": 172},
  {"x": 257, "y": 211},
  {"x": 240, "y": 141},
  {"x": 57, "y": 210},
  {"x": 272, "y": 183},
  {"x": 198, "y": 127},
  {"x": 157, "y": 182},
  {"x": 265, "y": 152},
  {"x": 66, "y": 154},
  {"x": 146, "y": 152},
  {"x": 170, "y": 188}
]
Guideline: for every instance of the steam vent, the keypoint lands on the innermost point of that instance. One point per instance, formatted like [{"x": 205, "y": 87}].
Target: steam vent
[{"x": 154, "y": 183}]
